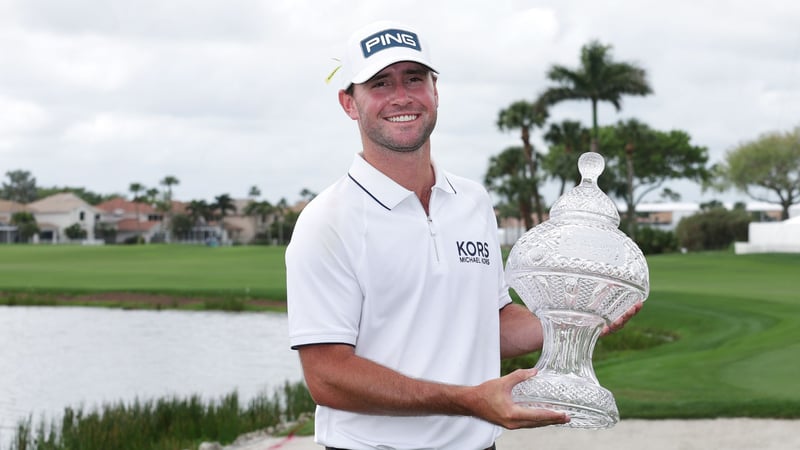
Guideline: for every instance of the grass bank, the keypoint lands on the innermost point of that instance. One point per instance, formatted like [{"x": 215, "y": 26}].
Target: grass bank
[
  {"x": 144, "y": 276},
  {"x": 735, "y": 318},
  {"x": 728, "y": 324},
  {"x": 164, "y": 424}
]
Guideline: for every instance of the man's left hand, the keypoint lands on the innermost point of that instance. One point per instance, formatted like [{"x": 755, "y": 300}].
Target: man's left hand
[{"x": 619, "y": 323}]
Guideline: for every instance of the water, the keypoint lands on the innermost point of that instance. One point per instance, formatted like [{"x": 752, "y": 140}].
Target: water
[{"x": 51, "y": 358}]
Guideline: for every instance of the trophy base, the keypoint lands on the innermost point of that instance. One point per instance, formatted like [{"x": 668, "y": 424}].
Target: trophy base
[{"x": 587, "y": 404}]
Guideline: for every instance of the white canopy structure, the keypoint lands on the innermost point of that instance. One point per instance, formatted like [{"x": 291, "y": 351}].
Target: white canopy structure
[{"x": 772, "y": 237}]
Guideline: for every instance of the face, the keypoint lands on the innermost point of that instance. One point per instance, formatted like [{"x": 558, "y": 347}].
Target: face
[{"x": 395, "y": 109}]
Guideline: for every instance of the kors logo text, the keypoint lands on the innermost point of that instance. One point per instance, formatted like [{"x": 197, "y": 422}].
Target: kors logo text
[{"x": 473, "y": 252}]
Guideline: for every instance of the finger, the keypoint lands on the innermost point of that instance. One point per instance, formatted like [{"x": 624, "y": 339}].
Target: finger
[{"x": 521, "y": 375}]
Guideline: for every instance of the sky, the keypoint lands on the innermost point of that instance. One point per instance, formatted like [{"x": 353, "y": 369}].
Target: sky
[{"x": 226, "y": 95}]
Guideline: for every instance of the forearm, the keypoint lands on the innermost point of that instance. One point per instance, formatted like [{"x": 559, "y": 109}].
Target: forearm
[
  {"x": 520, "y": 331},
  {"x": 338, "y": 378}
]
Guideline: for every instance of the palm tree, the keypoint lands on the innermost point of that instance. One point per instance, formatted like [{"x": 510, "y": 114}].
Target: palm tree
[
  {"x": 280, "y": 210},
  {"x": 260, "y": 211},
  {"x": 568, "y": 139},
  {"x": 525, "y": 115},
  {"x": 168, "y": 181},
  {"x": 507, "y": 177},
  {"x": 598, "y": 78},
  {"x": 223, "y": 203},
  {"x": 135, "y": 189}
]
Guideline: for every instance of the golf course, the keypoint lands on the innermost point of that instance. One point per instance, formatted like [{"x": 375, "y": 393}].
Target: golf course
[{"x": 731, "y": 321}]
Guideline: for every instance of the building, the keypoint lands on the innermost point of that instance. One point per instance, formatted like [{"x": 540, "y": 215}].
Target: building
[
  {"x": 130, "y": 219},
  {"x": 56, "y": 213}
]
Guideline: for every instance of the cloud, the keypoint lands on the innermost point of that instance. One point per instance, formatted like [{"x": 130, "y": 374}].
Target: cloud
[{"x": 226, "y": 95}]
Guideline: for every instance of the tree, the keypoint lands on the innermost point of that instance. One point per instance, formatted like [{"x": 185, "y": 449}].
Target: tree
[
  {"x": 568, "y": 140},
  {"x": 281, "y": 210},
  {"x": 524, "y": 116},
  {"x": 506, "y": 176},
  {"x": 765, "y": 168},
  {"x": 307, "y": 194},
  {"x": 26, "y": 225},
  {"x": 222, "y": 204},
  {"x": 168, "y": 182},
  {"x": 640, "y": 160},
  {"x": 75, "y": 231},
  {"x": 260, "y": 211},
  {"x": 135, "y": 189},
  {"x": 199, "y": 211},
  {"x": 21, "y": 187},
  {"x": 598, "y": 78},
  {"x": 181, "y": 225}
]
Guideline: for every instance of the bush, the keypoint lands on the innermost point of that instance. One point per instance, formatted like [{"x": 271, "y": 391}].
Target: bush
[
  {"x": 653, "y": 241},
  {"x": 715, "y": 229},
  {"x": 75, "y": 232}
]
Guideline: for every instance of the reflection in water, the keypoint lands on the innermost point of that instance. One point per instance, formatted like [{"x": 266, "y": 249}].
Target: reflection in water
[{"x": 51, "y": 358}]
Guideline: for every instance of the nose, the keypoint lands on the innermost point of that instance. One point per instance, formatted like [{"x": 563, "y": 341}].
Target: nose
[{"x": 400, "y": 95}]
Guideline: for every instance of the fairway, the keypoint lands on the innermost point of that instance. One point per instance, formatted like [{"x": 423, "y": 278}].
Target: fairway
[
  {"x": 738, "y": 343},
  {"x": 183, "y": 270},
  {"x": 736, "y": 318}
]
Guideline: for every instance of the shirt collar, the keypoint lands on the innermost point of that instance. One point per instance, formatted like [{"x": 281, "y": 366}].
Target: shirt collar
[{"x": 387, "y": 192}]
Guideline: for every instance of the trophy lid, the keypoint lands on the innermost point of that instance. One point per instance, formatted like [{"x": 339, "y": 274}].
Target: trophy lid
[{"x": 587, "y": 198}]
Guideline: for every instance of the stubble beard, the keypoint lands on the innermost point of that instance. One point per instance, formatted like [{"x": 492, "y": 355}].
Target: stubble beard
[{"x": 385, "y": 140}]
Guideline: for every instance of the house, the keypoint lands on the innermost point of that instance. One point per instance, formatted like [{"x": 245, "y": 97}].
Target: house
[
  {"x": 8, "y": 232},
  {"x": 130, "y": 219},
  {"x": 56, "y": 213}
]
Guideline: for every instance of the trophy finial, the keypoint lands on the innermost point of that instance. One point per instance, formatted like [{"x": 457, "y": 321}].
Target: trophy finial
[{"x": 591, "y": 165}]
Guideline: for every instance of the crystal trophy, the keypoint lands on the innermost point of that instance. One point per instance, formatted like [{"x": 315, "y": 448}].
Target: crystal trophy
[{"x": 577, "y": 272}]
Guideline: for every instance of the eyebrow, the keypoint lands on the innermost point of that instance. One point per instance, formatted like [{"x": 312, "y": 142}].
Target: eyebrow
[{"x": 411, "y": 71}]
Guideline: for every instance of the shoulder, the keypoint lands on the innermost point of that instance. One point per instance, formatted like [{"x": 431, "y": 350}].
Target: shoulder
[{"x": 469, "y": 189}]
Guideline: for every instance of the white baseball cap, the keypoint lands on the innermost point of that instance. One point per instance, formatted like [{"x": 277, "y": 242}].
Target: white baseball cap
[{"x": 379, "y": 45}]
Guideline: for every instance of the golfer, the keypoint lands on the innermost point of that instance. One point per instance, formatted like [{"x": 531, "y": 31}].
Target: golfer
[{"x": 396, "y": 297}]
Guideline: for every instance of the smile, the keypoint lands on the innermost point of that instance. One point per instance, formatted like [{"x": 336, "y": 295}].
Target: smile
[{"x": 403, "y": 118}]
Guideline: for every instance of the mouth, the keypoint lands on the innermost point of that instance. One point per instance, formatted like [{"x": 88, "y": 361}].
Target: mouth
[{"x": 403, "y": 118}]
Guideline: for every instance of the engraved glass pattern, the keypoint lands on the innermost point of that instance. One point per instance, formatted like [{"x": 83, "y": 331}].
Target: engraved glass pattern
[{"x": 577, "y": 272}]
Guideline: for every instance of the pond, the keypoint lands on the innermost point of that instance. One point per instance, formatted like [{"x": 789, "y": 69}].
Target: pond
[{"x": 54, "y": 357}]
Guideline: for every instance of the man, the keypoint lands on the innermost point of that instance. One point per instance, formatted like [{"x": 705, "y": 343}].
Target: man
[{"x": 397, "y": 302}]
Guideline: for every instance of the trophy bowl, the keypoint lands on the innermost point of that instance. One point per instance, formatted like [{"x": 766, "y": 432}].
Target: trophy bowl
[{"x": 577, "y": 272}]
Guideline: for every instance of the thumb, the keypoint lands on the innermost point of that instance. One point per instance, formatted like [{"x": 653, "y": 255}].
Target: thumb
[{"x": 521, "y": 375}]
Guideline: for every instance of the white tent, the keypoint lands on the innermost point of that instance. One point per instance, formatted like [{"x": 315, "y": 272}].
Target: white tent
[{"x": 772, "y": 237}]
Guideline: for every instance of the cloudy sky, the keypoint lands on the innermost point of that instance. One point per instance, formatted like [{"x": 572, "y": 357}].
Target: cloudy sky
[{"x": 229, "y": 94}]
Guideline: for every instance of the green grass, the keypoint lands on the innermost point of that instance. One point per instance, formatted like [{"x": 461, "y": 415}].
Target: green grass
[
  {"x": 730, "y": 323},
  {"x": 738, "y": 341},
  {"x": 166, "y": 424},
  {"x": 178, "y": 270}
]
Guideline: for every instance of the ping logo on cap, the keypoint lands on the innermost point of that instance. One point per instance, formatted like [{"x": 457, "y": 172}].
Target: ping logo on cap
[{"x": 388, "y": 39}]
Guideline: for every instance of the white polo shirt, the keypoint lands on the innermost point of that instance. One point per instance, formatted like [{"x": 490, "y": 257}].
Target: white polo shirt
[{"x": 417, "y": 293}]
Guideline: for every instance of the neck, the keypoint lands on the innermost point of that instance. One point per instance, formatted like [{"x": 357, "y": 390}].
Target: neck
[{"x": 412, "y": 170}]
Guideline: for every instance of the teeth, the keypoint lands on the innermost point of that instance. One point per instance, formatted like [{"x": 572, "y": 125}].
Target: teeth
[{"x": 404, "y": 118}]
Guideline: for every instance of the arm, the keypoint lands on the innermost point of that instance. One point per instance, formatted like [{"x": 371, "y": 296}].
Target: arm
[
  {"x": 338, "y": 378},
  {"x": 521, "y": 331}
]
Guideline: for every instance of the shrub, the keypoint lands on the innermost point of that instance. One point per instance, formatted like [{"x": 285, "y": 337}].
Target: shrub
[
  {"x": 714, "y": 229},
  {"x": 75, "y": 232},
  {"x": 653, "y": 241}
]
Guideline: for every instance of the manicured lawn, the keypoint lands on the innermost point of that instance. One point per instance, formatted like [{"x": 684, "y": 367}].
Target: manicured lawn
[
  {"x": 252, "y": 271},
  {"x": 736, "y": 319},
  {"x": 738, "y": 349}
]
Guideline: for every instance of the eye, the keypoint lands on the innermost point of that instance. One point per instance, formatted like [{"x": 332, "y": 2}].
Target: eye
[{"x": 379, "y": 84}]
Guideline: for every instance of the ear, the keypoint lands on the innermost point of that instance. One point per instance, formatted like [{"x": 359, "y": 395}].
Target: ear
[
  {"x": 348, "y": 104},
  {"x": 435, "y": 92}
]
